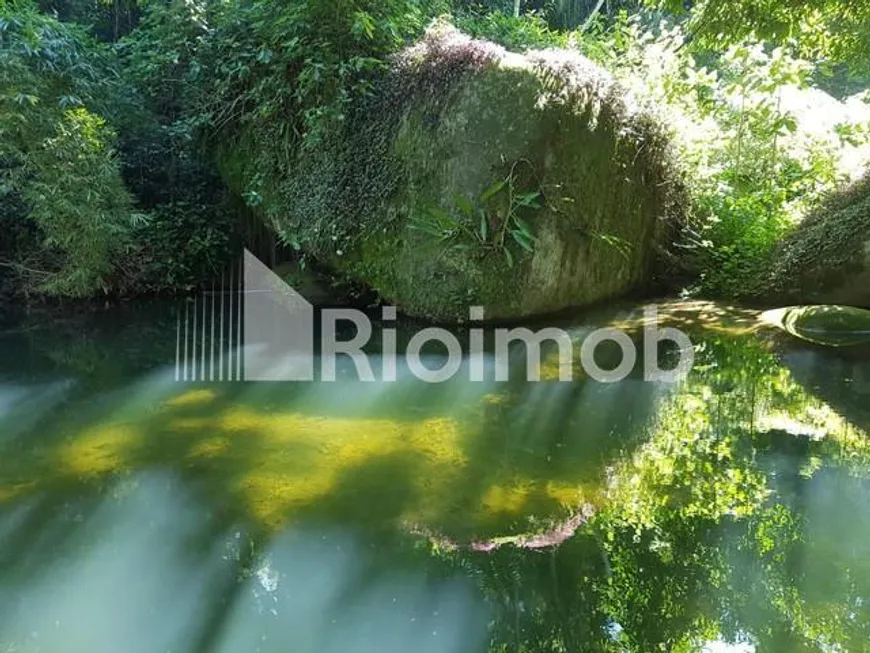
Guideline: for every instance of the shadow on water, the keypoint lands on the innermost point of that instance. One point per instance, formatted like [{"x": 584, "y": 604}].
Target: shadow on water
[
  {"x": 839, "y": 377},
  {"x": 137, "y": 513}
]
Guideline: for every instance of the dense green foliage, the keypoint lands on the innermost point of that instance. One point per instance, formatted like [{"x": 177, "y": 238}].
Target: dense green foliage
[
  {"x": 117, "y": 117},
  {"x": 838, "y": 30},
  {"x": 58, "y": 157},
  {"x": 84, "y": 211},
  {"x": 137, "y": 139},
  {"x": 293, "y": 67}
]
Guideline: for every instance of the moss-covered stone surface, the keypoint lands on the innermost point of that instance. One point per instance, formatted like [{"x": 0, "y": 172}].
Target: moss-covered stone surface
[
  {"x": 495, "y": 144},
  {"x": 827, "y": 259}
]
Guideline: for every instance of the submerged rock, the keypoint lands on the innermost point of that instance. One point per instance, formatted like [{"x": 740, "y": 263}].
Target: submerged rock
[
  {"x": 835, "y": 326},
  {"x": 552, "y": 537},
  {"x": 525, "y": 184}
]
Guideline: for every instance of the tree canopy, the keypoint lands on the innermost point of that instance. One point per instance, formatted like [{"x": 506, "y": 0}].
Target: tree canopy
[{"x": 837, "y": 31}]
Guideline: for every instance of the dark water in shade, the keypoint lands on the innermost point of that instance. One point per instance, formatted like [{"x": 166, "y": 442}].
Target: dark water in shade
[{"x": 727, "y": 513}]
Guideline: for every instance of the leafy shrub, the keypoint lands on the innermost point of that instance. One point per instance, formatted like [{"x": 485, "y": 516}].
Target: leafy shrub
[
  {"x": 59, "y": 172},
  {"x": 181, "y": 245},
  {"x": 754, "y": 171},
  {"x": 186, "y": 203},
  {"x": 295, "y": 66},
  {"x": 79, "y": 203},
  {"x": 836, "y": 30},
  {"x": 486, "y": 222},
  {"x": 72, "y": 227},
  {"x": 518, "y": 34}
]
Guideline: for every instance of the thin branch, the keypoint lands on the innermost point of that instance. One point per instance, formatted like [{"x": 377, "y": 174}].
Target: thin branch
[
  {"x": 23, "y": 268},
  {"x": 592, "y": 16}
]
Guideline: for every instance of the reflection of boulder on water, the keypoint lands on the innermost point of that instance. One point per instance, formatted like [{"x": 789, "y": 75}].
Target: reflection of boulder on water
[
  {"x": 840, "y": 378},
  {"x": 834, "y": 326}
]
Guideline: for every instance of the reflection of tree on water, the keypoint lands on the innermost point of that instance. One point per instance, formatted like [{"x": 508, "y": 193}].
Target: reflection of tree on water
[{"x": 714, "y": 529}]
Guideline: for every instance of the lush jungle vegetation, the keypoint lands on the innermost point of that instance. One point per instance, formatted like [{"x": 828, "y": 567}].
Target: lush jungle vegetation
[
  {"x": 114, "y": 117},
  {"x": 143, "y": 143}
]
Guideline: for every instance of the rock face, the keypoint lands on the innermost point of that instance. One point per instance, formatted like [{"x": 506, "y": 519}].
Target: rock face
[
  {"x": 525, "y": 184},
  {"x": 827, "y": 259}
]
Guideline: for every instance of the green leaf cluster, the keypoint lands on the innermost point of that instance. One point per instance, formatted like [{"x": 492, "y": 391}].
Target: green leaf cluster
[{"x": 67, "y": 213}]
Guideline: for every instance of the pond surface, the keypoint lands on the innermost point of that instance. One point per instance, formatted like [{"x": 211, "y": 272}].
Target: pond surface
[{"x": 724, "y": 513}]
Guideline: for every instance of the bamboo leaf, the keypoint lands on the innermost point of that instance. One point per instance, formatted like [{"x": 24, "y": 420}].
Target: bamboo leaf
[
  {"x": 524, "y": 228},
  {"x": 529, "y": 199},
  {"x": 493, "y": 190},
  {"x": 522, "y": 240},
  {"x": 464, "y": 205}
]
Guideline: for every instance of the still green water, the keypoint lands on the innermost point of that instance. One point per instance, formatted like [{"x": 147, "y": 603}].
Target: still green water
[{"x": 726, "y": 513}]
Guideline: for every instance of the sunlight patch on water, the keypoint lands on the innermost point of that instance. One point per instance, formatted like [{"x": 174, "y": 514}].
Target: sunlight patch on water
[
  {"x": 130, "y": 586},
  {"x": 22, "y": 406},
  {"x": 511, "y": 500},
  {"x": 568, "y": 496},
  {"x": 145, "y": 570},
  {"x": 13, "y": 491}
]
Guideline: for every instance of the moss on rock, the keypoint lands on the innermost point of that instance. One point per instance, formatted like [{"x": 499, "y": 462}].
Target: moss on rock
[
  {"x": 827, "y": 259},
  {"x": 546, "y": 189}
]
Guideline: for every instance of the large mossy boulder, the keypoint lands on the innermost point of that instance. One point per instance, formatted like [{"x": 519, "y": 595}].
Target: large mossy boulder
[
  {"x": 525, "y": 184},
  {"x": 827, "y": 259}
]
